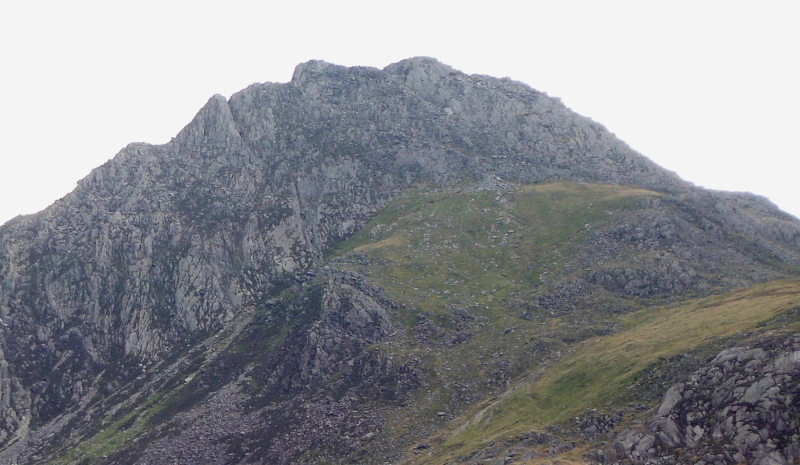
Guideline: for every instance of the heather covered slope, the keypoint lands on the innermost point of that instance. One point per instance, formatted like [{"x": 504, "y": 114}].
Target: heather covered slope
[{"x": 286, "y": 279}]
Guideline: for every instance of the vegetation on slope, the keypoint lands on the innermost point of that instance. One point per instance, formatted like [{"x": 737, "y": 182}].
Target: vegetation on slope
[
  {"x": 468, "y": 267},
  {"x": 482, "y": 250},
  {"x": 601, "y": 373}
]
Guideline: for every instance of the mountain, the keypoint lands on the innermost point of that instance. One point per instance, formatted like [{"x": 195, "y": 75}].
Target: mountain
[{"x": 400, "y": 265}]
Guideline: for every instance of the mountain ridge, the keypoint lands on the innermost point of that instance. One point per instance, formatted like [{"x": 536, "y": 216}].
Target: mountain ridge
[{"x": 230, "y": 226}]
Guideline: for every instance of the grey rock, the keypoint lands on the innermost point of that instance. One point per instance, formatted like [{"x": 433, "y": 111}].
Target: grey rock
[
  {"x": 167, "y": 245},
  {"x": 671, "y": 399},
  {"x": 745, "y": 408}
]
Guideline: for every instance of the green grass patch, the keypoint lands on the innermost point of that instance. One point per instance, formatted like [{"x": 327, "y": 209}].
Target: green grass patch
[
  {"x": 598, "y": 373},
  {"x": 476, "y": 249},
  {"x": 112, "y": 438}
]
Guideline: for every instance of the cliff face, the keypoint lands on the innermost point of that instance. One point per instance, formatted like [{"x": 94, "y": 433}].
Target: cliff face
[{"x": 166, "y": 246}]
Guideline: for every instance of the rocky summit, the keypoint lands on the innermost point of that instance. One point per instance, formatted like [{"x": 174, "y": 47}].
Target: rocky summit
[{"x": 409, "y": 265}]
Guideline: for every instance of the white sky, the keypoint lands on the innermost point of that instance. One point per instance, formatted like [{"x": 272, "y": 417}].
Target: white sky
[{"x": 709, "y": 89}]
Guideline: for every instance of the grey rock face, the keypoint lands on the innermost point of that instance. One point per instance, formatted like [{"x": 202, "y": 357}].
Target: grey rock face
[
  {"x": 741, "y": 408},
  {"x": 273, "y": 406},
  {"x": 169, "y": 244}
]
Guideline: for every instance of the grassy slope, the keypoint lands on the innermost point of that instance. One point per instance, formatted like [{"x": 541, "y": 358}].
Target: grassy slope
[
  {"x": 489, "y": 253},
  {"x": 479, "y": 249},
  {"x": 467, "y": 265},
  {"x": 599, "y": 372}
]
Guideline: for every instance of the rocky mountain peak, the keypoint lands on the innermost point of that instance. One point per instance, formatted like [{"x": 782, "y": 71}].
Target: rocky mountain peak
[
  {"x": 305, "y": 72},
  {"x": 425, "y": 75},
  {"x": 242, "y": 267},
  {"x": 213, "y": 132}
]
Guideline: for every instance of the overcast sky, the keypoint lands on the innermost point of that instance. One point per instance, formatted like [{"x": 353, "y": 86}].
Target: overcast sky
[{"x": 707, "y": 89}]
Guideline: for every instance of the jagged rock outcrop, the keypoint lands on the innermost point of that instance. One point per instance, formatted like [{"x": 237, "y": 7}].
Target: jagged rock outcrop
[
  {"x": 673, "y": 248},
  {"x": 164, "y": 246},
  {"x": 741, "y": 408},
  {"x": 279, "y": 393}
]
